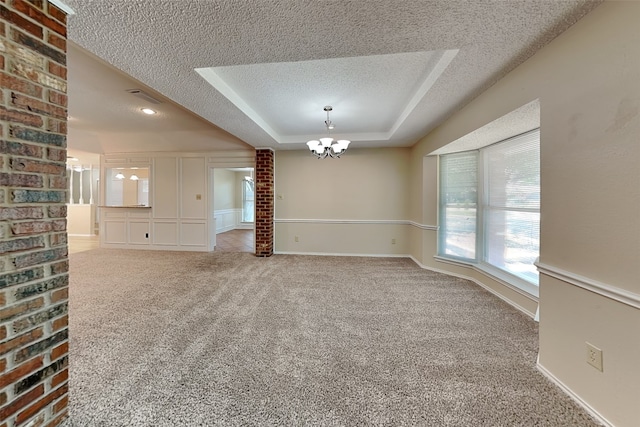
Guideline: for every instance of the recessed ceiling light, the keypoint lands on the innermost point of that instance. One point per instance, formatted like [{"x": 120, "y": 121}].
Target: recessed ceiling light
[{"x": 148, "y": 111}]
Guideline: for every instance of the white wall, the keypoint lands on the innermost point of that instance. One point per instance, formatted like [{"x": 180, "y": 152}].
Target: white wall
[
  {"x": 224, "y": 193},
  {"x": 227, "y": 204},
  {"x": 81, "y": 220},
  {"x": 180, "y": 216},
  {"x": 353, "y": 205},
  {"x": 587, "y": 81}
]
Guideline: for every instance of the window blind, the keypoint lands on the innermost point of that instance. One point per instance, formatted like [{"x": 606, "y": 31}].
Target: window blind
[
  {"x": 458, "y": 204},
  {"x": 511, "y": 208},
  {"x": 490, "y": 206}
]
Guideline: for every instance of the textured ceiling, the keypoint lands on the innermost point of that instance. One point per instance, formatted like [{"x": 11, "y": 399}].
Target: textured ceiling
[
  {"x": 517, "y": 122},
  {"x": 271, "y": 54}
]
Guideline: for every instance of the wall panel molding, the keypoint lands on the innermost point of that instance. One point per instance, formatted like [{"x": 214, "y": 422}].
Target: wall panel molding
[{"x": 227, "y": 219}]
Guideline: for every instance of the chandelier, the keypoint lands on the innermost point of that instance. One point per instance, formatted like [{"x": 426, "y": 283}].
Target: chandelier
[{"x": 328, "y": 146}]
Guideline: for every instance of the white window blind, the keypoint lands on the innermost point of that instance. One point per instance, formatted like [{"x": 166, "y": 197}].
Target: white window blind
[
  {"x": 458, "y": 204},
  {"x": 511, "y": 208},
  {"x": 248, "y": 200},
  {"x": 504, "y": 180}
]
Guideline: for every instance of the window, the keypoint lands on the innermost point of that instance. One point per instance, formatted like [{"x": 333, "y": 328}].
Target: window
[
  {"x": 504, "y": 180},
  {"x": 247, "y": 200},
  {"x": 458, "y": 204},
  {"x": 512, "y": 206}
]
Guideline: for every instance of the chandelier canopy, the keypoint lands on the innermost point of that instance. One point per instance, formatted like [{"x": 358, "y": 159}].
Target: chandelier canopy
[{"x": 327, "y": 146}]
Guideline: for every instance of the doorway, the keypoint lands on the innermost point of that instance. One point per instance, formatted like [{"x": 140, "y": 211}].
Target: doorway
[{"x": 233, "y": 209}]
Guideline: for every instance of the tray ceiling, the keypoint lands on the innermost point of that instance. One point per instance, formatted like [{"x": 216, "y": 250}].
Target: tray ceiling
[{"x": 371, "y": 96}]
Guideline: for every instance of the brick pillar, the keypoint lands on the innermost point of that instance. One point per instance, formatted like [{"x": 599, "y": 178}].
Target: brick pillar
[
  {"x": 33, "y": 240},
  {"x": 264, "y": 202}
]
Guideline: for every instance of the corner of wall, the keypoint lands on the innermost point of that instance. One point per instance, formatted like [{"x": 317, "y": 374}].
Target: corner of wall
[{"x": 33, "y": 240}]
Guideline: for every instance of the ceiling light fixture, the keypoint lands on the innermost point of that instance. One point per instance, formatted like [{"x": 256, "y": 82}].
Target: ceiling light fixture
[
  {"x": 148, "y": 111},
  {"x": 328, "y": 146},
  {"x": 134, "y": 177},
  {"x": 119, "y": 175}
]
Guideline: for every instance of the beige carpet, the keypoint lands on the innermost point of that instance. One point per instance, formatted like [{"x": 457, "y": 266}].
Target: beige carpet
[{"x": 192, "y": 339}]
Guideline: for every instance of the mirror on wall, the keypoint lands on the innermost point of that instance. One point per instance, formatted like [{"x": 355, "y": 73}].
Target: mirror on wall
[{"x": 127, "y": 187}]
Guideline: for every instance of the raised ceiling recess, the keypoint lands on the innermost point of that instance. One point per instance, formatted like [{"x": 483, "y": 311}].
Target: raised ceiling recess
[{"x": 376, "y": 93}]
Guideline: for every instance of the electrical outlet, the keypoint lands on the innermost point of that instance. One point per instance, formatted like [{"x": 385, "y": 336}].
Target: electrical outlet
[
  {"x": 296, "y": 239},
  {"x": 393, "y": 241},
  {"x": 594, "y": 356}
]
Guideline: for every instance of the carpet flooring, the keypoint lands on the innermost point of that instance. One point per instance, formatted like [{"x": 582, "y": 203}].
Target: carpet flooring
[{"x": 204, "y": 339}]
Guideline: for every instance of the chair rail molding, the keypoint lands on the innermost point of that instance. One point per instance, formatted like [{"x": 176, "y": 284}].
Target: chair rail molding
[
  {"x": 354, "y": 221},
  {"x": 621, "y": 295}
]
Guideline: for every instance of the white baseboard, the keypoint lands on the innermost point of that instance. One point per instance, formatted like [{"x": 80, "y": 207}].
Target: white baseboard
[
  {"x": 595, "y": 414},
  {"x": 477, "y": 282},
  {"x": 244, "y": 226},
  {"x": 225, "y": 229},
  {"x": 149, "y": 247},
  {"x": 341, "y": 254},
  {"x": 482, "y": 285}
]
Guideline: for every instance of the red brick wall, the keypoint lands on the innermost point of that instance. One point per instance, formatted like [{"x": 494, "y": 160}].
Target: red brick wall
[
  {"x": 264, "y": 202},
  {"x": 33, "y": 240}
]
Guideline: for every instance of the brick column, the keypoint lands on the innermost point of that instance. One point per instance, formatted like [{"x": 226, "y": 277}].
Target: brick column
[
  {"x": 33, "y": 239},
  {"x": 264, "y": 202}
]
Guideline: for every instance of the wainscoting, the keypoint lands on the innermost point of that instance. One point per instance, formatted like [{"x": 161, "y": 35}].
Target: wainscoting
[{"x": 227, "y": 219}]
